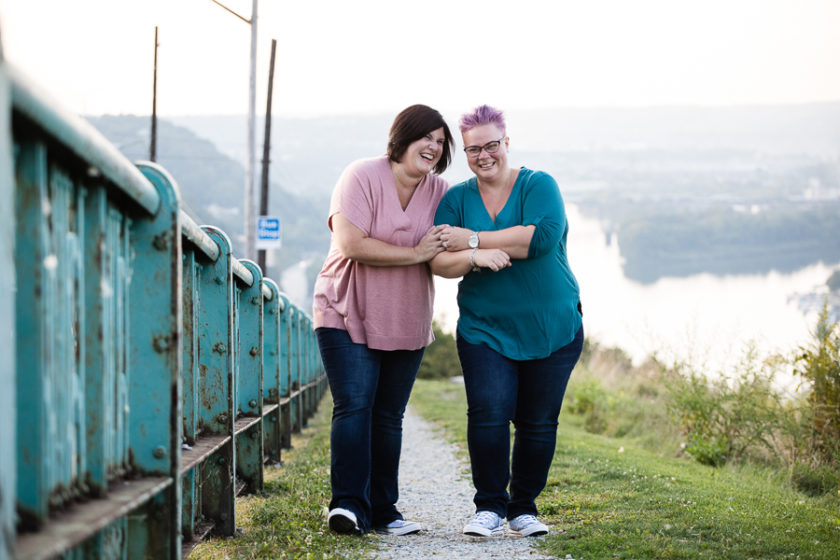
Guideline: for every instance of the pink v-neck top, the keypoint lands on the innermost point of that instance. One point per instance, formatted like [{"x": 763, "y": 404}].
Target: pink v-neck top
[{"x": 384, "y": 307}]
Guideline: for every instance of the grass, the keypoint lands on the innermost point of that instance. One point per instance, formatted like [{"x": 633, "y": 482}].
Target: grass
[
  {"x": 610, "y": 497},
  {"x": 287, "y": 521},
  {"x": 606, "y": 497}
]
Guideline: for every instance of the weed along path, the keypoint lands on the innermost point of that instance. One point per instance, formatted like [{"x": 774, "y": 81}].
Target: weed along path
[{"x": 435, "y": 490}]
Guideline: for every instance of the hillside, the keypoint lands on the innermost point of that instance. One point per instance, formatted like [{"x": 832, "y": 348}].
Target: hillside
[{"x": 212, "y": 184}]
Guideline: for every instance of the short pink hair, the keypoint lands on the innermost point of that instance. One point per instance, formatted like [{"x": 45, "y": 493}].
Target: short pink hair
[{"x": 483, "y": 114}]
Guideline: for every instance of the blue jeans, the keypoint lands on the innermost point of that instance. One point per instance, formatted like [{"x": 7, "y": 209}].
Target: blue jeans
[
  {"x": 370, "y": 390},
  {"x": 529, "y": 394}
]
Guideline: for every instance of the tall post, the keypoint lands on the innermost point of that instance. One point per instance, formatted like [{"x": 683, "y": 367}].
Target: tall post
[
  {"x": 266, "y": 150},
  {"x": 249, "y": 206},
  {"x": 250, "y": 183},
  {"x": 153, "y": 140}
]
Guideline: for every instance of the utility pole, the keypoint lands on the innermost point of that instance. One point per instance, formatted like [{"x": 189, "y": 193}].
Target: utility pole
[
  {"x": 266, "y": 150},
  {"x": 250, "y": 199},
  {"x": 153, "y": 141},
  {"x": 250, "y": 222}
]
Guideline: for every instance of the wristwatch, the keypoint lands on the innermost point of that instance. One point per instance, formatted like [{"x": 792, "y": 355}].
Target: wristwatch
[{"x": 473, "y": 243}]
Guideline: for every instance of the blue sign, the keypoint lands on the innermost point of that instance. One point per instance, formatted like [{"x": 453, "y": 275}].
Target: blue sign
[{"x": 269, "y": 233}]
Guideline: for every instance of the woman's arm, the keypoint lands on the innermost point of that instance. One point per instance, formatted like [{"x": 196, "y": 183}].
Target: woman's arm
[
  {"x": 455, "y": 264},
  {"x": 355, "y": 245},
  {"x": 514, "y": 241},
  {"x": 544, "y": 224}
]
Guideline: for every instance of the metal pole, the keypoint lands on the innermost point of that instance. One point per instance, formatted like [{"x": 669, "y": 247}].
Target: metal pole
[
  {"x": 250, "y": 183},
  {"x": 266, "y": 150},
  {"x": 153, "y": 141}
]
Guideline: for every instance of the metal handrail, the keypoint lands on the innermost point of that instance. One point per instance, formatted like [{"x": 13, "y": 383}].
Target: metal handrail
[
  {"x": 198, "y": 237},
  {"x": 78, "y": 135}
]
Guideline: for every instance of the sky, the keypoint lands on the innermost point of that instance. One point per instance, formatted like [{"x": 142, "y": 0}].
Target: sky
[{"x": 373, "y": 56}]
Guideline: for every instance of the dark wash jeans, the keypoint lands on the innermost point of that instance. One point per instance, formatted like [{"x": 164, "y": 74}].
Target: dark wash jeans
[
  {"x": 370, "y": 390},
  {"x": 529, "y": 394}
]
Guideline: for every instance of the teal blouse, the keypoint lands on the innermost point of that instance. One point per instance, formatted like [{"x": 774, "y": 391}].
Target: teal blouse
[{"x": 530, "y": 309}]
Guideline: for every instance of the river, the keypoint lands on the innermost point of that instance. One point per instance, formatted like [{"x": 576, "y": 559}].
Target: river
[{"x": 706, "y": 321}]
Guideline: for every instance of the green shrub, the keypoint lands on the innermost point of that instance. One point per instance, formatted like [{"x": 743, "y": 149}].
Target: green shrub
[
  {"x": 819, "y": 366},
  {"x": 815, "y": 480},
  {"x": 617, "y": 399},
  {"x": 589, "y": 400},
  {"x": 697, "y": 407},
  {"x": 726, "y": 417},
  {"x": 440, "y": 361}
]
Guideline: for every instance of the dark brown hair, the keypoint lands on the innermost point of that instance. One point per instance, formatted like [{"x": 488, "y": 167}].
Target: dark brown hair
[{"x": 413, "y": 123}]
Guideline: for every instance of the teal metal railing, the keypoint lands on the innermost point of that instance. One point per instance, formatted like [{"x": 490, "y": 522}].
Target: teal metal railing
[{"x": 148, "y": 374}]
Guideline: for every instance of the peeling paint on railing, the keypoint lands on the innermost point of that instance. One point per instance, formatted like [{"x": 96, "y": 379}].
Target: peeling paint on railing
[{"x": 148, "y": 373}]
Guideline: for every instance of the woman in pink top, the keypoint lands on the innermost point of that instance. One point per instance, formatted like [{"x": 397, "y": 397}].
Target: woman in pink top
[{"x": 373, "y": 313}]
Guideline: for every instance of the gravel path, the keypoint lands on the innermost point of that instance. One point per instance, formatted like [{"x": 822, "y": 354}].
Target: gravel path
[{"x": 436, "y": 491}]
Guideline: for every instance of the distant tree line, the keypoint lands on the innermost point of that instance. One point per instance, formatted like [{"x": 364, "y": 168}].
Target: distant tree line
[{"x": 720, "y": 241}]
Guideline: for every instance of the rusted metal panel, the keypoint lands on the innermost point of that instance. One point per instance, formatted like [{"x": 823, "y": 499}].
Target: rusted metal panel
[
  {"x": 311, "y": 372},
  {"x": 216, "y": 398},
  {"x": 106, "y": 246},
  {"x": 36, "y": 353},
  {"x": 296, "y": 372},
  {"x": 155, "y": 362},
  {"x": 272, "y": 442},
  {"x": 249, "y": 445},
  {"x": 285, "y": 373},
  {"x": 123, "y": 348},
  {"x": 71, "y": 362},
  {"x": 189, "y": 338},
  {"x": 8, "y": 457},
  {"x": 189, "y": 389},
  {"x": 155, "y": 313},
  {"x": 190, "y": 506},
  {"x": 250, "y": 335}
]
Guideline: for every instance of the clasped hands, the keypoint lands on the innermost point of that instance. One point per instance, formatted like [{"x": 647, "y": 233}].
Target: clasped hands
[{"x": 453, "y": 239}]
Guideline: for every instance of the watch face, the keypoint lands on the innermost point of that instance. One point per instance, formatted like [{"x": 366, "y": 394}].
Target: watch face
[{"x": 473, "y": 241}]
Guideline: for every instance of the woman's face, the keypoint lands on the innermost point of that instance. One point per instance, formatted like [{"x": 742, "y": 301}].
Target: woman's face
[
  {"x": 422, "y": 155},
  {"x": 486, "y": 165}
]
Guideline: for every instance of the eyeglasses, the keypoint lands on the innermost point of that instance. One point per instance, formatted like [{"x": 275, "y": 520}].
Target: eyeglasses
[{"x": 489, "y": 147}]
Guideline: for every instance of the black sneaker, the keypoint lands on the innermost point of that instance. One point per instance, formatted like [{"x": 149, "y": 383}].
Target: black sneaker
[{"x": 343, "y": 521}]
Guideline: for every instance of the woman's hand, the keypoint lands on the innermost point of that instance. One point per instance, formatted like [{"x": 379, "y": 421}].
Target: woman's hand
[
  {"x": 430, "y": 244},
  {"x": 456, "y": 238},
  {"x": 353, "y": 244},
  {"x": 494, "y": 259}
]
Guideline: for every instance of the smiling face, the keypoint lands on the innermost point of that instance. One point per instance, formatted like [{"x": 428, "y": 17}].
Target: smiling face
[
  {"x": 487, "y": 167},
  {"x": 421, "y": 156}
]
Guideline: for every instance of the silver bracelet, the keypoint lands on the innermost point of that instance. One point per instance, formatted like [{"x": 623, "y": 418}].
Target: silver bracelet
[{"x": 475, "y": 267}]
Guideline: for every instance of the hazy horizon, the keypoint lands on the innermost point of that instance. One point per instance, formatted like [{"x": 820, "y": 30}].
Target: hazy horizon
[{"x": 371, "y": 55}]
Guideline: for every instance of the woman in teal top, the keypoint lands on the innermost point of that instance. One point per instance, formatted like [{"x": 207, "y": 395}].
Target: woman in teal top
[{"x": 520, "y": 330}]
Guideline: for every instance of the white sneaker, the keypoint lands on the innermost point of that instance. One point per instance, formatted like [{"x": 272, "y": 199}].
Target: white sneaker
[
  {"x": 528, "y": 525},
  {"x": 400, "y": 527},
  {"x": 343, "y": 521},
  {"x": 485, "y": 524}
]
